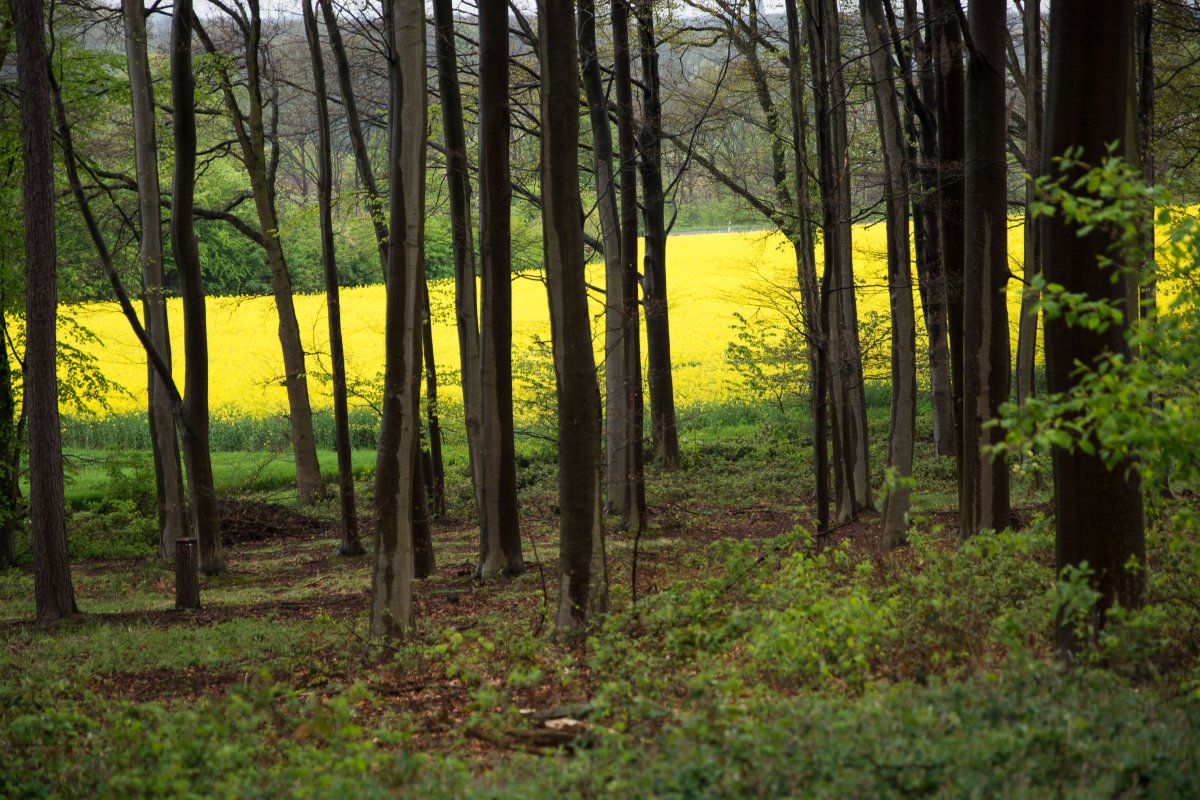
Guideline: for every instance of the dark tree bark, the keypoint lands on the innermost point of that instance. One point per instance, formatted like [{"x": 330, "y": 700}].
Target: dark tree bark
[
  {"x": 252, "y": 136},
  {"x": 458, "y": 181},
  {"x": 631, "y": 455},
  {"x": 350, "y": 544},
  {"x": 10, "y": 460},
  {"x": 663, "y": 430},
  {"x": 1098, "y": 511},
  {"x": 399, "y": 435},
  {"x": 1027, "y": 332},
  {"x": 54, "y": 596},
  {"x": 846, "y": 390},
  {"x": 187, "y": 577},
  {"x": 984, "y": 502},
  {"x": 950, "y": 93},
  {"x": 500, "y": 540},
  {"x": 206, "y": 519},
  {"x": 806, "y": 268},
  {"x": 902, "y": 432},
  {"x": 168, "y": 469},
  {"x": 574, "y": 364}
]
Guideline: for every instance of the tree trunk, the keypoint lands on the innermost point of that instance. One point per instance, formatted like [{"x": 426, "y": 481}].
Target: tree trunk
[
  {"x": 202, "y": 495},
  {"x": 984, "y": 502},
  {"x": 615, "y": 423},
  {"x": 350, "y": 544},
  {"x": 399, "y": 433},
  {"x": 902, "y": 431},
  {"x": 946, "y": 37},
  {"x": 10, "y": 459},
  {"x": 847, "y": 394},
  {"x": 574, "y": 365},
  {"x": 187, "y": 577},
  {"x": 252, "y": 137},
  {"x": 806, "y": 268},
  {"x": 436, "y": 479},
  {"x": 168, "y": 469},
  {"x": 458, "y": 180},
  {"x": 54, "y": 596},
  {"x": 663, "y": 429},
  {"x": 931, "y": 278},
  {"x": 632, "y": 457},
  {"x": 1027, "y": 334},
  {"x": 1098, "y": 511},
  {"x": 500, "y": 539}
]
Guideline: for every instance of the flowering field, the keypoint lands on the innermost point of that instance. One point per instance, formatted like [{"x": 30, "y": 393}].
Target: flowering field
[{"x": 710, "y": 277}]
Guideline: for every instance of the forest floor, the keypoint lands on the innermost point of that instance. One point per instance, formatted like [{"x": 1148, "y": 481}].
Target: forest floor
[{"x": 753, "y": 663}]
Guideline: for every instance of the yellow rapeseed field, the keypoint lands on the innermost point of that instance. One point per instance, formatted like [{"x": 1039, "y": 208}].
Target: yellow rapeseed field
[{"x": 709, "y": 278}]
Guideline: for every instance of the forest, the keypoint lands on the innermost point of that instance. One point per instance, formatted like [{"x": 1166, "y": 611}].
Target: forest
[{"x": 600, "y": 398}]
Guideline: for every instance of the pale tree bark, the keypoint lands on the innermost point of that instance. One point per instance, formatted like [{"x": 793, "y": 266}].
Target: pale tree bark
[
  {"x": 500, "y": 539},
  {"x": 399, "y": 434},
  {"x": 54, "y": 595},
  {"x": 846, "y": 389},
  {"x": 458, "y": 182},
  {"x": 946, "y": 38},
  {"x": 350, "y": 545},
  {"x": 631, "y": 455},
  {"x": 1028, "y": 325},
  {"x": 984, "y": 502},
  {"x": 902, "y": 431},
  {"x": 574, "y": 365},
  {"x": 251, "y": 133},
  {"x": 806, "y": 269},
  {"x": 664, "y": 433},
  {"x": 202, "y": 496},
  {"x": 168, "y": 469},
  {"x": 1098, "y": 511},
  {"x": 615, "y": 422}
]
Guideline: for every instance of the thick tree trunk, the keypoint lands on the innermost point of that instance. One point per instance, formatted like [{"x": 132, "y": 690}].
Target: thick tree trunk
[
  {"x": 946, "y": 37},
  {"x": 350, "y": 544},
  {"x": 806, "y": 267},
  {"x": 206, "y": 519},
  {"x": 1027, "y": 332},
  {"x": 663, "y": 429},
  {"x": 1098, "y": 511},
  {"x": 847, "y": 394},
  {"x": 399, "y": 434},
  {"x": 902, "y": 431},
  {"x": 54, "y": 596},
  {"x": 632, "y": 461},
  {"x": 574, "y": 365},
  {"x": 458, "y": 181},
  {"x": 984, "y": 502},
  {"x": 168, "y": 468},
  {"x": 500, "y": 539},
  {"x": 610, "y": 232}
]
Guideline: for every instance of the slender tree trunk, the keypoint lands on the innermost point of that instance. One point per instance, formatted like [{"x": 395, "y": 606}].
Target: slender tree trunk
[
  {"x": 615, "y": 423},
  {"x": 10, "y": 459},
  {"x": 54, "y": 596},
  {"x": 168, "y": 468},
  {"x": 465, "y": 288},
  {"x": 197, "y": 457},
  {"x": 951, "y": 114},
  {"x": 1027, "y": 333},
  {"x": 663, "y": 429},
  {"x": 806, "y": 268},
  {"x": 904, "y": 327},
  {"x": 251, "y": 134},
  {"x": 399, "y": 434},
  {"x": 350, "y": 544},
  {"x": 923, "y": 182},
  {"x": 574, "y": 365},
  {"x": 1098, "y": 511},
  {"x": 631, "y": 443},
  {"x": 500, "y": 540},
  {"x": 436, "y": 480},
  {"x": 984, "y": 502},
  {"x": 848, "y": 398}
]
